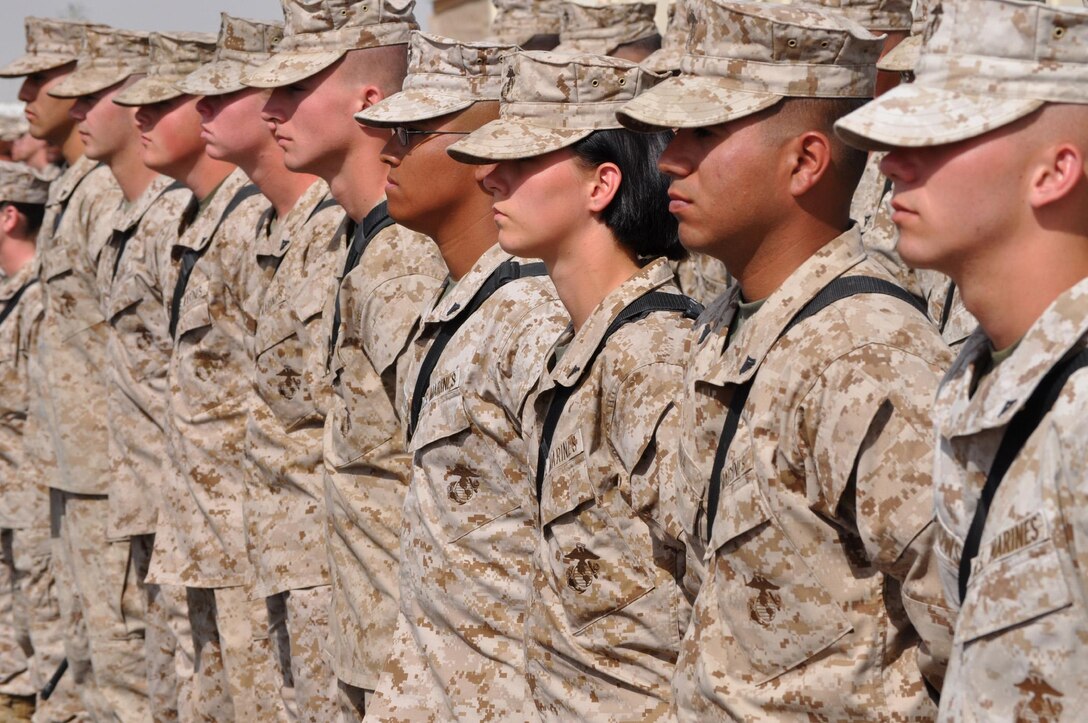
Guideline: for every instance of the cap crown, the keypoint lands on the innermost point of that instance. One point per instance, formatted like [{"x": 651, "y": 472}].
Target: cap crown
[
  {"x": 516, "y": 21},
  {"x": 114, "y": 49},
  {"x": 246, "y": 41},
  {"x": 872, "y": 14},
  {"x": 788, "y": 50},
  {"x": 472, "y": 70},
  {"x": 346, "y": 24},
  {"x": 50, "y": 36},
  {"x": 596, "y": 27},
  {"x": 178, "y": 54},
  {"x": 20, "y": 184}
]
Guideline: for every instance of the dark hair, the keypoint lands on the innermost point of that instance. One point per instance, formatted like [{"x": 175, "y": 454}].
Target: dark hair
[
  {"x": 820, "y": 114},
  {"x": 639, "y": 212},
  {"x": 32, "y": 212}
]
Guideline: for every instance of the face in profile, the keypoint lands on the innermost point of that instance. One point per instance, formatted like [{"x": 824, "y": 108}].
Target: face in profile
[
  {"x": 105, "y": 128},
  {"x": 47, "y": 116},
  {"x": 231, "y": 125},
  {"x": 170, "y": 135}
]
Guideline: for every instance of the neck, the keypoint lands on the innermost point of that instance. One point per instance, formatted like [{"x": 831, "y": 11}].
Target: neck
[
  {"x": 465, "y": 236},
  {"x": 71, "y": 147},
  {"x": 132, "y": 175},
  {"x": 282, "y": 188},
  {"x": 205, "y": 175},
  {"x": 359, "y": 184},
  {"x": 16, "y": 253},
  {"x": 780, "y": 252},
  {"x": 588, "y": 269}
]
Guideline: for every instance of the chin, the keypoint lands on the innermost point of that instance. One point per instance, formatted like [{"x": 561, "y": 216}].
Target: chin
[{"x": 917, "y": 253}]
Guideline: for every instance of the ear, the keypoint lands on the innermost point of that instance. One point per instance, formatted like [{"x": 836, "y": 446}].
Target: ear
[
  {"x": 604, "y": 185},
  {"x": 9, "y": 219},
  {"x": 369, "y": 95},
  {"x": 1062, "y": 169},
  {"x": 808, "y": 158}
]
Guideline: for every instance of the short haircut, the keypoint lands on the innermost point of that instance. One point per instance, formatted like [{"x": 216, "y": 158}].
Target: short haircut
[
  {"x": 638, "y": 215},
  {"x": 34, "y": 213},
  {"x": 819, "y": 114},
  {"x": 385, "y": 66}
]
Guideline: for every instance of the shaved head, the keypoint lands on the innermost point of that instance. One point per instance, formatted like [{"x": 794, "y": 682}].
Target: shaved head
[{"x": 384, "y": 67}]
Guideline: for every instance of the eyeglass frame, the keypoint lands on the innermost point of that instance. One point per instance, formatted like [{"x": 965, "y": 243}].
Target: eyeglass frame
[{"x": 403, "y": 134}]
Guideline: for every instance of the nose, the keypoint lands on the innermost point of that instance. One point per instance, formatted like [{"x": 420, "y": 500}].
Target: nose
[
  {"x": 898, "y": 165},
  {"x": 492, "y": 177},
  {"x": 78, "y": 111},
  {"x": 392, "y": 152},
  {"x": 28, "y": 91},
  {"x": 205, "y": 108},
  {"x": 272, "y": 111},
  {"x": 675, "y": 160}
]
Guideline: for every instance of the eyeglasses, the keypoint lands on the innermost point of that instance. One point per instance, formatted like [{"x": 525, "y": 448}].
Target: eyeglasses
[{"x": 404, "y": 135}]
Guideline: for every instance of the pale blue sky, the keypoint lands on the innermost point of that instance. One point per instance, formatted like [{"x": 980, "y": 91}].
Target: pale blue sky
[{"x": 201, "y": 15}]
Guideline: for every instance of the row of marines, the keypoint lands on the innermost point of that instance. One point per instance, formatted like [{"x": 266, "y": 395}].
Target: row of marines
[{"x": 349, "y": 370}]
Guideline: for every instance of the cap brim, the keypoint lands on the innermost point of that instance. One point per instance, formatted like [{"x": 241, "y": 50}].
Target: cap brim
[
  {"x": 691, "y": 102},
  {"x": 664, "y": 60},
  {"x": 902, "y": 57},
  {"x": 290, "y": 67},
  {"x": 86, "y": 82},
  {"x": 214, "y": 79},
  {"x": 915, "y": 116},
  {"x": 150, "y": 90},
  {"x": 31, "y": 64},
  {"x": 509, "y": 139},
  {"x": 411, "y": 106}
]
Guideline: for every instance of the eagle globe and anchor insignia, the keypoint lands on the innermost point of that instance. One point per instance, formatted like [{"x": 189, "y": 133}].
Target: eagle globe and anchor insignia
[
  {"x": 583, "y": 569},
  {"x": 464, "y": 486},
  {"x": 765, "y": 604}
]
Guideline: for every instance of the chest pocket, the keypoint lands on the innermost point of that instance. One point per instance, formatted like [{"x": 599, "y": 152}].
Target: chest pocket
[
  {"x": 282, "y": 351},
  {"x": 1016, "y": 588},
  {"x": 466, "y": 494},
  {"x": 74, "y": 309},
  {"x": 778, "y": 611},
  {"x": 593, "y": 567}
]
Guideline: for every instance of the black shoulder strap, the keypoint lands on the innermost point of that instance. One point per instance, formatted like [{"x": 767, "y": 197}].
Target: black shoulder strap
[
  {"x": 640, "y": 308},
  {"x": 64, "y": 209},
  {"x": 841, "y": 288},
  {"x": 509, "y": 270},
  {"x": 189, "y": 257},
  {"x": 1020, "y": 428},
  {"x": 361, "y": 235},
  {"x": 946, "y": 308},
  {"x": 14, "y": 300}
]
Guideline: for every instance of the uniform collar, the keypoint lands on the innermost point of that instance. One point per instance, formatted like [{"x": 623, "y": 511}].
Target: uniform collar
[
  {"x": 276, "y": 244},
  {"x": 451, "y": 304},
  {"x": 131, "y": 216},
  {"x": 576, "y": 360},
  {"x": 1003, "y": 392},
  {"x": 65, "y": 185},
  {"x": 200, "y": 233},
  {"x": 11, "y": 284}
]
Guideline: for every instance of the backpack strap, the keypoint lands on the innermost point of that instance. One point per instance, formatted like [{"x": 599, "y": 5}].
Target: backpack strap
[
  {"x": 840, "y": 288},
  {"x": 1020, "y": 428},
  {"x": 14, "y": 300},
  {"x": 189, "y": 257},
  {"x": 638, "y": 309},
  {"x": 509, "y": 270},
  {"x": 946, "y": 308}
]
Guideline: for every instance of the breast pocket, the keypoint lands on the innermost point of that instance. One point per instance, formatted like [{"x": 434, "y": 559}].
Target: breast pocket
[
  {"x": 592, "y": 564},
  {"x": 75, "y": 308},
  {"x": 281, "y": 364},
  {"x": 778, "y": 611}
]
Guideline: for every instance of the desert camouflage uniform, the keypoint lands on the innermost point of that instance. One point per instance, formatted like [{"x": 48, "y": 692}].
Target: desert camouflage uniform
[
  {"x": 200, "y": 541},
  {"x": 1018, "y": 651},
  {"x": 516, "y": 22},
  {"x": 818, "y": 574},
  {"x": 135, "y": 275},
  {"x": 367, "y": 464},
  {"x": 284, "y": 503},
  {"x": 607, "y": 611},
  {"x": 468, "y": 533},
  {"x": 599, "y": 29},
  {"x": 703, "y": 278}
]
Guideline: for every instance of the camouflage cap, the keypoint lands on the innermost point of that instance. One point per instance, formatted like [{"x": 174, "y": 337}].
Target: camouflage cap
[
  {"x": 876, "y": 15},
  {"x": 674, "y": 42},
  {"x": 444, "y": 76},
  {"x": 242, "y": 44},
  {"x": 173, "y": 56},
  {"x": 745, "y": 57},
  {"x": 518, "y": 21},
  {"x": 109, "y": 56},
  {"x": 904, "y": 56},
  {"x": 50, "y": 43},
  {"x": 12, "y": 127},
  {"x": 19, "y": 183},
  {"x": 550, "y": 101},
  {"x": 984, "y": 64},
  {"x": 599, "y": 26},
  {"x": 318, "y": 33}
]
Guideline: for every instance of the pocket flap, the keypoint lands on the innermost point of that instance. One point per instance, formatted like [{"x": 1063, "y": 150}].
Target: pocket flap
[
  {"x": 567, "y": 483},
  {"x": 275, "y": 326},
  {"x": 441, "y": 417},
  {"x": 740, "y": 509},
  {"x": 126, "y": 294},
  {"x": 195, "y": 314}
]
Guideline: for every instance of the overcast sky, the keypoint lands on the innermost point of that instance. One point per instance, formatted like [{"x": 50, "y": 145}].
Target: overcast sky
[{"x": 202, "y": 15}]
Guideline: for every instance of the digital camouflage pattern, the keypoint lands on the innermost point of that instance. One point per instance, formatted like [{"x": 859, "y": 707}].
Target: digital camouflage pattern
[
  {"x": 964, "y": 87},
  {"x": 551, "y": 101},
  {"x": 516, "y": 22},
  {"x": 135, "y": 279},
  {"x": 50, "y": 43},
  {"x": 468, "y": 533},
  {"x": 703, "y": 278},
  {"x": 904, "y": 56},
  {"x": 317, "y": 33},
  {"x": 12, "y": 127},
  {"x": 367, "y": 464},
  {"x": 242, "y": 44},
  {"x": 201, "y": 534},
  {"x": 300, "y": 254},
  {"x": 173, "y": 57},
  {"x": 20, "y": 184},
  {"x": 674, "y": 42},
  {"x": 72, "y": 342},
  {"x": 444, "y": 76},
  {"x": 107, "y": 57},
  {"x": 598, "y": 28},
  {"x": 607, "y": 611},
  {"x": 745, "y": 57},
  {"x": 876, "y": 15},
  {"x": 819, "y": 590},
  {"x": 1018, "y": 652}
]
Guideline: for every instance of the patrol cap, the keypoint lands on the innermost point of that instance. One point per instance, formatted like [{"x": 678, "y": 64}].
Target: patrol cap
[
  {"x": 444, "y": 76},
  {"x": 516, "y": 22},
  {"x": 317, "y": 33},
  {"x": 12, "y": 127},
  {"x": 109, "y": 56},
  {"x": 550, "y": 101},
  {"x": 674, "y": 42},
  {"x": 745, "y": 57},
  {"x": 173, "y": 56},
  {"x": 876, "y": 15},
  {"x": 984, "y": 64},
  {"x": 904, "y": 57},
  {"x": 242, "y": 44},
  {"x": 20, "y": 184},
  {"x": 50, "y": 43},
  {"x": 599, "y": 26}
]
